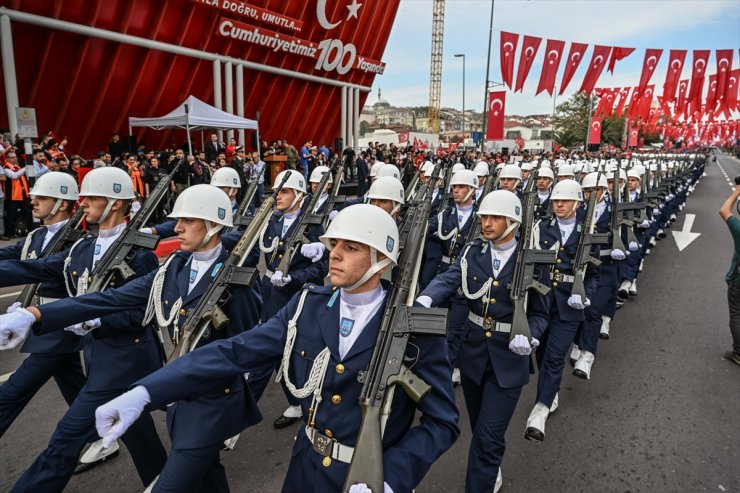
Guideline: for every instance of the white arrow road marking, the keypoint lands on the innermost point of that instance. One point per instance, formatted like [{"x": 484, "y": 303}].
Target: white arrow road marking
[{"x": 685, "y": 237}]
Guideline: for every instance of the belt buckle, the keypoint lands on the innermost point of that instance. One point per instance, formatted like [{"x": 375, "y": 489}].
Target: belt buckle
[
  {"x": 322, "y": 444},
  {"x": 557, "y": 277},
  {"x": 488, "y": 323}
]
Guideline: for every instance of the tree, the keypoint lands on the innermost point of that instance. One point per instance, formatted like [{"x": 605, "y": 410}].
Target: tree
[
  {"x": 566, "y": 138},
  {"x": 364, "y": 126},
  {"x": 571, "y": 122}
]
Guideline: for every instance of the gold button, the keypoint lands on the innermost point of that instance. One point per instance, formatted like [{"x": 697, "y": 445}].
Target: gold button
[
  {"x": 545, "y": 242},
  {"x": 326, "y": 461},
  {"x": 136, "y": 341},
  {"x": 557, "y": 271},
  {"x": 280, "y": 256},
  {"x": 303, "y": 353},
  {"x": 562, "y": 249},
  {"x": 475, "y": 278},
  {"x": 493, "y": 301},
  {"x": 555, "y": 284},
  {"x": 329, "y": 433},
  {"x": 495, "y": 283},
  {"x": 336, "y": 399},
  {"x": 183, "y": 311},
  {"x": 458, "y": 235},
  {"x": 227, "y": 391},
  {"x": 74, "y": 272},
  {"x": 280, "y": 244},
  {"x": 113, "y": 283},
  {"x": 557, "y": 261},
  {"x": 89, "y": 278},
  {"x": 166, "y": 302},
  {"x": 340, "y": 368},
  {"x": 488, "y": 333}
]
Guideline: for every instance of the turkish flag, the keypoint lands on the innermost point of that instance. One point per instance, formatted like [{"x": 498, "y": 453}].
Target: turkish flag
[
  {"x": 575, "y": 55},
  {"x": 712, "y": 94},
  {"x": 697, "y": 75},
  {"x": 724, "y": 67},
  {"x": 594, "y": 133},
  {"x": 646, "y": 101},
  {"x": 496, "y": 104},
  {"x": 530, "y": 44},
  {"x": 681, "y": 100},
  {"x": 553, "y": 54},
  {"x": 652, "y": 56},
  {"x": 617, "y": 55},
  {"x": 508, "y": 53},
  {"x": 624, "y": 95},
  {"x": 731, "y": 98},
  {"x": 598, "y": 62},
  {"x": 634, "y": 134},
  {"x": 675, "y": 66}
]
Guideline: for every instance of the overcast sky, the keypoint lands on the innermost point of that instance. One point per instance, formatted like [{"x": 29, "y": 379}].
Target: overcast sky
[{"x": 640, "y": 24}]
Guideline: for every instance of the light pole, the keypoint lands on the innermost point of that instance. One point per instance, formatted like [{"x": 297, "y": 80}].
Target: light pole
[{"x": 463, "y": 108}]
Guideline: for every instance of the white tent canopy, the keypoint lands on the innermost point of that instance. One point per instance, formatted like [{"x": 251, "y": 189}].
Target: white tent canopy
[{"x": 199, "y": 116}]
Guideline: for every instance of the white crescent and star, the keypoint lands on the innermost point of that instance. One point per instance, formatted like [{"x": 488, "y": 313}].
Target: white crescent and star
[
  {"x": 508, "y": 43},
  {"x": 651, "y": 66},
  {"x": 676, "y": 64},
  {"x": 703, "y": 64},
  {"x": 353, "y": 8},
  {"x": 575, "y": 57},
  {"x": 598, "y": 60},
  {"x": 529, "y": 51},
  {"x": 596, "y": 126},
  {"x": 493, "y": 105},
  {"x": 726, "y": 63},
  {"x": 557, "y": 55}
]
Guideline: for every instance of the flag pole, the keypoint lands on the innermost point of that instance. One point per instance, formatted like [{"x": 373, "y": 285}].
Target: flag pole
[
  {"x": 485, "y": 89},
  {"x": 588, "y": 129}
]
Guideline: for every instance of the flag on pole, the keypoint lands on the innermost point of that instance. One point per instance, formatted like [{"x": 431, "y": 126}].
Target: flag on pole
[
  {"x": 530, "y": 45},
  {"x": 575, "y": 55},
  {"x": 496, "y": 104},
  {"x": 594, "y": 134},
  {"x": 553, "y": 54},
  {"x": 509, "y": 42},
  {"x": 598, "y": 62}
]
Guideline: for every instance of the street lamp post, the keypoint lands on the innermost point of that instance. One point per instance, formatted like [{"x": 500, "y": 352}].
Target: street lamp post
[{"x": 463, "y": 95}]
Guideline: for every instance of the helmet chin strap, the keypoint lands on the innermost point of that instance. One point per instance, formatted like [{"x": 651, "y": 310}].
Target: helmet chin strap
[
  {"x": 106, "y": 212},
  {"x": 374, "y": 269},
  {"x": 396, "y": 207},
  {"x": 298, "y": 196},
  {"x": 511, "y": 226},
  {"x": 54, "y": 210},
  {"x": 469, "y": 194},
  {"x": 211, "y": 230}
]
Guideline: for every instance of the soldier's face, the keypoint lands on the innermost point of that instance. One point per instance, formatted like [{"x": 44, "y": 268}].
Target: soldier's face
[
  {"x": 508, "y": 183},
  {"x": 481, "y": 180},
  {"x": 493, "y": 227},
  {"x": 94, "y": 208},
  {"x": 633, "y": 183},
  {"x": 348, "y": 262},
  {"x": 314, "y": 187},
  {"x": 385, "y": 204},
  {"x": 284, "y": 199},
  {"x": 459, "y": 192},
  {"x": 564, "y": 209},
  {"x": 190, "y": 232},
  {"x": 42, "y": 206},
  {"x": 525, "y": 174},
  {"x": 543, "y": 183}
]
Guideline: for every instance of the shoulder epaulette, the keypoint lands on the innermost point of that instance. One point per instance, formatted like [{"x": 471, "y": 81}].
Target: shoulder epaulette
[{"x": 315, "y": 288}]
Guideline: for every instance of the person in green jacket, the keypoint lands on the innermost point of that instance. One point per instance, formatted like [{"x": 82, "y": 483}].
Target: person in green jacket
[{"x": 733, "y": 275}]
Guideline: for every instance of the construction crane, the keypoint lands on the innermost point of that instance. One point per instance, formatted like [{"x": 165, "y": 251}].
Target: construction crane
[{"x": 435, "y": 74}]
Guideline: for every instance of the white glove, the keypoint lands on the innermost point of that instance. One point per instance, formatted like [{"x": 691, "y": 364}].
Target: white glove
[
  {"x": 425, "y": 301},
  {"x": 362, "y": 488},
  {"x": 633, "y": 246},
  {"x": 520, "y": 345},
  {"x": 83, "y": 328},
  {"x": 113, "y": 418},
  {"x": 534, "y": 343},
  {"x": 671, "y": 196},
  {"x": 14, "y": 327},
  {"x": 574, "y": 301},
  {"x": 12, "y": 307},
  {"x": 661, "y": 205},
  {"x": 148, "y": 231},
  {"x": 644, "y": 225},
  {"x": 656, "y": 211},
  {"x": 314, "y": 251},
  {"x": 278, "y": 280},
  {"x": 618, "y": 254},
  {"x": 332, "y": 215}
]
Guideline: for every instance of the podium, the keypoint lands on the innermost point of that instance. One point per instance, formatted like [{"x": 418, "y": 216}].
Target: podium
[{"x": 275, "y": 164}]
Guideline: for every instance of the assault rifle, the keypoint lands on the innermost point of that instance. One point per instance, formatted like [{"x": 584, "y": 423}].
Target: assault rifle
[
  {"x": 334, "y": 198},
  {"x": 386, "y": 369},
  {"x": 526, "y": 258},
  {"x": 583, "y": 253},
  {"x": 118, "y": 254},
  {"x": 240, "y": 218},
  {"x": 412, "y": 185},
  {"x": 69, "y": 234},
  {"x": 616, "y": 220},
  {"x": 425, "y": 192},
  {"x": 208, "y": 312},
  {"x": 474, "y": 231}
]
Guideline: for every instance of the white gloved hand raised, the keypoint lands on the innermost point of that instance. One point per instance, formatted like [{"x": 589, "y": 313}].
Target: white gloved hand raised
[
  {"x": 363, "y": 488},
  {"x": 314, "y": 251},
  {"x": 633, "y": 246},
  {"x": 575, "y": 301},
  {"x": 83, "y": 328},
  {"x": 332, "y": 215},
  {"x": 148, "y": 231},
  {"x": 13, "y": 307},
  {"x": 278, "y": 280},
  {"x": 113, "y": 418},
  {"x": 14, "y": 327},
  {"x": 618, "y": 254},
  {"x": 644, "y": 225},
  {"x": 520, "y": 345}
]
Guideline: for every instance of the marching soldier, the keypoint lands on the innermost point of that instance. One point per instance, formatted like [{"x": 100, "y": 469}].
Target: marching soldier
[
  {"x": 118, "y": 350},
  {"x": 545, "y": 179},
  {"x": 482, "y": 170},
  {"x": 631, "y": 267},
  {"x": 493, "y": 369},
  {"x": 314, "y": 181},
  {"x": 387, "y": 193},
  {"x": 325, "y": 336},
  {"x": 510, "y": 177}
]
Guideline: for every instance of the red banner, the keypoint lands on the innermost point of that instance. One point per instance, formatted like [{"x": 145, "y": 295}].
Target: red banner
[
  {"x": 712, "y": 94},
  {"x": 617, "y": 55},
  {"x": 652, "y": 56},
  {"x": 624, "y": 95},
  {"x": 594, "y": 133},
  {"x": 598, "y": 62},
  {"x": 697, "y": 76},
  {"x": 634, "y": 137},
  {"x": 530, "y": 44},
  {"x": 724, "y": 66},
  {"x": 675, "y": 66},
  {"x": 509, "y": 42},
  {"x": 682, "y": 99},
  {"x": 575, "y": 55},
  {"x": 731, "y": 99},
  {"x": 496, "y": 104},
  {"x": 553, "y": 54},
  {"x": 254, "y": 13}
]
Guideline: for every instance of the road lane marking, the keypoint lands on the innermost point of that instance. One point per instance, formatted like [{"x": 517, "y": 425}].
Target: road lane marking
[
  {"x": 729, "y": 182},
  {"x": 9, "y": 295}
]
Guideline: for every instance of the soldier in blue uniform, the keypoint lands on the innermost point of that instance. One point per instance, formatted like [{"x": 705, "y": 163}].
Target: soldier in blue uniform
[
  {"x": 493, "y": 369},
  {"x": 545, "y": 179},
  {"x": 197, "y": 427},
  {"x": 54, "y": 355},
  {"x": 325, "y": 336},
  {"x": 387, "y": 193},
  {"x": 314, "y": 180},
  {"x": 509, "y": 177},
  {"x": 118, "y": 350},
  {"x": 450, "y": 228},
  {"x": 631, "y": 268},
  {"x": 560, "y": 233},
  {"x": 433, "y": 254}
]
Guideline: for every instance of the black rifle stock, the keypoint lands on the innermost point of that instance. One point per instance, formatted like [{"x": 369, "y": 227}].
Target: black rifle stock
[
  {"x": 240, "y": 219},
  {"x": 334, "y": 198},
  {"x": 386, "y": 369},
  {"x": 616, "y": 219},
  {"x": 583, "y": 253},
  {"x": 475, "y": 228}
]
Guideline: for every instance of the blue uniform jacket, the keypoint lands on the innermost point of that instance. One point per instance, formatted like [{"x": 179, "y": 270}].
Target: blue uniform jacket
[
  {"x": 228, "y": 406},
  {"x": 120, "y": 351},
  {"x": 60, "y": 341},
  {"x": 452, "y": 246},
  {"x": 409, "y": 450},
  {"x": 478, "y": 346}
]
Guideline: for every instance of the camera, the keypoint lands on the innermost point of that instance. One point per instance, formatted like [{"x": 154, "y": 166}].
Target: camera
[{"x": 737, "y": 180}]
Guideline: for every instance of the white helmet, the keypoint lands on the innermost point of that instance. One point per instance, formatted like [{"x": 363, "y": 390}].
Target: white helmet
[
  {"x": 545, "y": 164},
  {"x": 109, "y": 182},
  {"x": 295, "y": 182},
  {"x": 429, "y": 171},
  {"x": 566, "y": 170},
  {"x": 369, "y": 225},
  {"x": 634, "y": 173},
  {"x": 502, "y": 203},
  {"x": 465, "y": 177},
  {"x": 387, "y": 188},
  {"x": 511, "y": 171},
  {"x": 376, "y": 167},
  {"x": 622, "y": 175},
  {"x": 458, "y": 167},
  {"x": 527, "y": 167},
  {"x": 481, "y": 168},
  {"x": 589, "y": 181},
  {"x": 545, "y": 173},
  {"x": 206, "y": 202},
  {"x": 427, "y": 165},
  {"x": 56, "y": 185},
  {"x": 567, "y": 190},
  {"x": 226, "y": 177},
  {"x": 388, "y": 170},
  {"x": 318, "y": 173}
]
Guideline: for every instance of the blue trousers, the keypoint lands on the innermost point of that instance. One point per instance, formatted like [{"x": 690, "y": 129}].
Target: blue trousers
[
  {"x": 551, "y": 356},
  {"x": 51, "y": 470},
  {"x": 456, "y": 316},
  {"x": 490, "y": 408},
  {"x": 33, "y": 373},
  {"x": 193, "y": 471}
]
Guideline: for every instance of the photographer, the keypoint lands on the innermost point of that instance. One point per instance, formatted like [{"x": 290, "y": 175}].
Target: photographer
[{"x": 733, "y": 275}]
